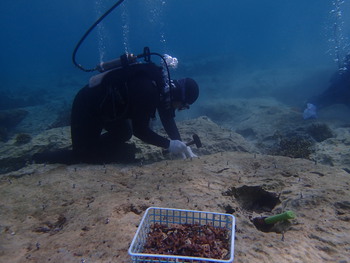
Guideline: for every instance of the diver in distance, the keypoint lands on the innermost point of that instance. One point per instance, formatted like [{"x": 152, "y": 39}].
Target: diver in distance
[{"x": 337, "y": 93}]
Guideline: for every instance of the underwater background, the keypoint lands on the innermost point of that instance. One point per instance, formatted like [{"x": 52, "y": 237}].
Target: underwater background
[
  {"x": 294, "y": 45},
  {"x": 256, "y": 62}
]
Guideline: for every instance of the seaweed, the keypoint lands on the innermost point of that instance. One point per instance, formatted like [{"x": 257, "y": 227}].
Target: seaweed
[
  {"x": 295, "y": 147},
  {"x": 320, "y": 132},
  {"x": 22, "y": 138}
]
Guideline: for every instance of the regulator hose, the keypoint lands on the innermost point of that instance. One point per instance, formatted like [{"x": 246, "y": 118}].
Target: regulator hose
[{"x": 88, "y": 32}]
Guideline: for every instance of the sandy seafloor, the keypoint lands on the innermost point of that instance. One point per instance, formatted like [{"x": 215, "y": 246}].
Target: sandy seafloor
[{"x": 103, "y": 204}]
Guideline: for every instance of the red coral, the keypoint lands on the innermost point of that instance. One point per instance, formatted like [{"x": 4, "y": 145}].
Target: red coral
[{"x": 194, "y": 240}]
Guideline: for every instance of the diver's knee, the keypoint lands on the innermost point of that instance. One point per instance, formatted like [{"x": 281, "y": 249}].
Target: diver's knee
[{"x": 126, "y": 136}]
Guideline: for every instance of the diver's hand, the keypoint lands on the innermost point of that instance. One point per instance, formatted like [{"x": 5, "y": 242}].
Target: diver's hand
[
  {"x": 177, "y": 147},
  {"x": 310, "y": 112},
  {"x": 188, "y": 153}
]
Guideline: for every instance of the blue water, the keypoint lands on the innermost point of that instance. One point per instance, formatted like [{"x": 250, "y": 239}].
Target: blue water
[{"x": 38, "y": 37}]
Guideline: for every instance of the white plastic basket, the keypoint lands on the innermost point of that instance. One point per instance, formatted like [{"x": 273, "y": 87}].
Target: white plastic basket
[{"x": 168, "y": 216}]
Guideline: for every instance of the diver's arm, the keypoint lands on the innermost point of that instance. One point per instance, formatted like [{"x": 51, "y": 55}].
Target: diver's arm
[
  {"x": 336, "y": 93},
  {"x": 169, "y": 124},
  {"x": 142, "y": 131},
  {"x": 143, "y": 106}
]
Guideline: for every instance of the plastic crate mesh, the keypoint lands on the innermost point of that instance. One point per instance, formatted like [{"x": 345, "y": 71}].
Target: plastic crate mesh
[{"x": 167, "y": 216}]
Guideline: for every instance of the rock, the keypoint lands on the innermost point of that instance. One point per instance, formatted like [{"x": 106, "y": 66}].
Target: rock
[
  {"x": 89, "y": 196},
  {"x": 10, "y": 119},
  {"x": 214, "y": 139}
]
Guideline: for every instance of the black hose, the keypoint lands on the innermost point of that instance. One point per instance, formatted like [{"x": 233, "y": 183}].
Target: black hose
[
  {"x": 88, "y": 32},
  {"x": 166, "y": 64}
]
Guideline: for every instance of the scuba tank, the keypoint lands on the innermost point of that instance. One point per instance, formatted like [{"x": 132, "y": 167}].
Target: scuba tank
[
  {"x": 123, "y": 60},
  {"x": 126, "y": 60}
]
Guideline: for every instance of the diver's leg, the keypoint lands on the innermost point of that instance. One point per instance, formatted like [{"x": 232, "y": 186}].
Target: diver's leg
[
  {"x": 118, "y": 132},
  {"x": 85, "y": 132},
  {"x": 113, "y": 142},
  {"x": 86, "y": 126}
]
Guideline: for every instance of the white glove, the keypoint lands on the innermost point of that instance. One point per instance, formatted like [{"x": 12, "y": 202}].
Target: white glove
[
  {"x": 178, "y": 147},
  {"x": 188, "y": 153},
  {"x": 310, "y": 112}
]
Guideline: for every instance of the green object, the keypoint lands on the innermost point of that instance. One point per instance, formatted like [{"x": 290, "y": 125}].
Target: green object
[{"x": 280, "y": 217}]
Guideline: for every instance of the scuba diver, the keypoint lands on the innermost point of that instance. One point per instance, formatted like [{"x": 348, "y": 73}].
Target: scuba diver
[
  {"x": 337, "y": 93},
  {"x": 121, "y": 102}
]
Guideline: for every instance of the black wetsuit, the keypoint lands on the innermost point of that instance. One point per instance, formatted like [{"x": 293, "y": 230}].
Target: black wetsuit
[
  {"x": 122, "y": 104},
  {"x": 337, "y": 93}
]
